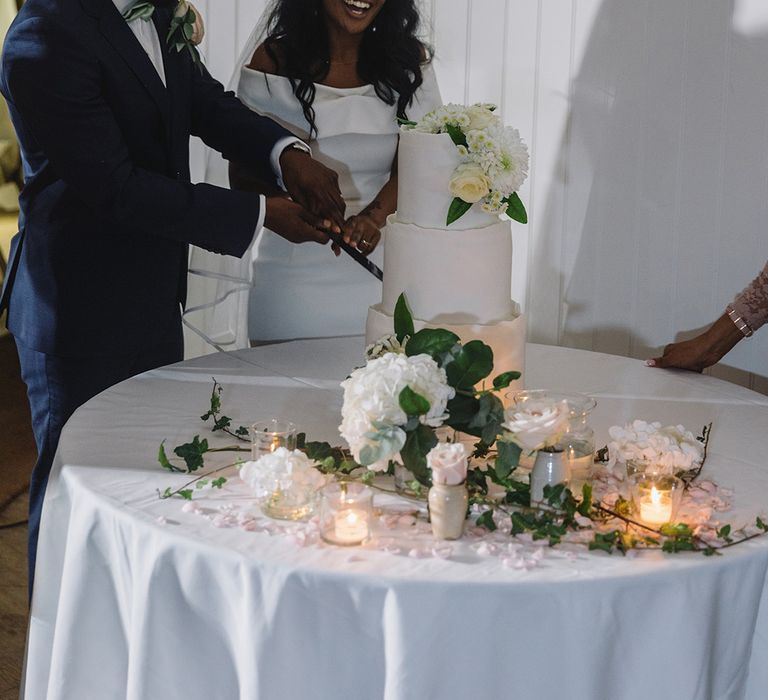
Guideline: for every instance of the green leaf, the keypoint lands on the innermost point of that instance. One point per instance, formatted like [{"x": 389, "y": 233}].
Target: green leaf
[
  {"x": 405, "y": 122},
  {"x": 414, "y": 453},
  {"x": 489, "y": 417},
  {"x": 164, "y": 461},
  {"x": 585, "y": 507},
  {"x": 457, "y": 209},
  {"x": 412, "y": 403},
  {"x": 383, "y": 443},
  {"x": 456, "y": 134},
  {"x": 486, "y": 521},
  {"x": 186, "y": 494},
  {"x": 403, "y": 319},
  {"x": 435, "y": 342},
  {"x": 192, "y": 453},
  {"x": 507, "y": 458},
  {"x": 761, "y": 524},
  {"x": 473, "y": 364},
  {"x": 242, "y": 431},
  {"x": 515, "y": 209},
  {"x": 218, "y": 483},
  {"x": 503, "y": 380}
]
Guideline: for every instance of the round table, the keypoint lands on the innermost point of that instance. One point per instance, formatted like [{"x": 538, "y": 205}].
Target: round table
[{"x": 137, "y": 597}]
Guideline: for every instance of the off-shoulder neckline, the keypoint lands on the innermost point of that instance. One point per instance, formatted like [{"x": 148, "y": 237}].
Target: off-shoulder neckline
[{"x": 359, "y": 88}]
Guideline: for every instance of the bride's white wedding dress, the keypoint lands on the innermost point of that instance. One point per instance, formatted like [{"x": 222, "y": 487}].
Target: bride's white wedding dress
[{"x": 283, "y": 290}]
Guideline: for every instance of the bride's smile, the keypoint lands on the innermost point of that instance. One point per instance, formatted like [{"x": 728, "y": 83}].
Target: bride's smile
[{"x": 354, "y": 15}]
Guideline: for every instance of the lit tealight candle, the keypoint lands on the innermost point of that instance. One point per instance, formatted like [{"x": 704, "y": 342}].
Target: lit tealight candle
[
  {"x": 656, "y": 509},
  {"x": 350, "y": 526}
]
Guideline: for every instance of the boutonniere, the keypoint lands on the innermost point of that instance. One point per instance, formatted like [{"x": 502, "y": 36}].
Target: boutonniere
[{"x": 186, "y": 30}]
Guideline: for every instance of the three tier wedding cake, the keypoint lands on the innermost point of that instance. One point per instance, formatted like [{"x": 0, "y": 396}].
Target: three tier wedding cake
[{"x": 446, "y": 247}]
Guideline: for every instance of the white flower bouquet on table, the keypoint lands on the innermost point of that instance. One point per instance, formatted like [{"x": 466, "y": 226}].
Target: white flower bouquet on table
[{"x": 493, "y": 159}]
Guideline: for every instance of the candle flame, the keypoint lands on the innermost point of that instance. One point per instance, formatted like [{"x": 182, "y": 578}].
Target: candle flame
[
  {"x": 351, "y": 518},
  {"x": 655, "y": 496}
]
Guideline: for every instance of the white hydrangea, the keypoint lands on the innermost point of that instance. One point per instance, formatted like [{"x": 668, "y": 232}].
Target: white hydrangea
[
  {"x": 371, "y": 400},
  {"x": 282, "y": 469},
  {"x": 667, "y": 449}
]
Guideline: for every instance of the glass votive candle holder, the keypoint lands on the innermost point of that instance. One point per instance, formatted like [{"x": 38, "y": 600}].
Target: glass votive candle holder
[
  {"x": 268, "y": 435},
  {"x": 656, "y": 497},
  {"x": 346, "y": 513}
]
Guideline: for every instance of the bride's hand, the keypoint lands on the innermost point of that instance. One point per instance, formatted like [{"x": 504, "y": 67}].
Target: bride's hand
[
  {"x": 312, "y": 185},
  {"x": 294, "y": 223},
  {"x": 361, "y": 232}
]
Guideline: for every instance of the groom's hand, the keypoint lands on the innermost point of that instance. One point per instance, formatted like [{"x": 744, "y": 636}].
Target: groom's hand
[
  {"x": 312, "y": 185},
  {"x": 294, "y": 223}
]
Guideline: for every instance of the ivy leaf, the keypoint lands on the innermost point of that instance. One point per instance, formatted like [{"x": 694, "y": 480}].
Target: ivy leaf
[
  {"x": 218, "y": 483},
  {"x": 472, "y": 364},
  {"x": 186, "y": 494},
  {"x": 164, "y": 461},
  {"x": 515, "y": 209},
  {"x": 761, "y": 524},
  {"x": 403, "y": 319},
  {"x": 412, "y": 403},
  {"x": 215, "y": 406},
  {"x": 192, "y": 453},
  {"x": 414, "y": 453},
  {"x": 457, "y": 209},
  {"x": 242, "y": 431},
  {"x": 405, "y": 122},
  {"x": 585, "y": 507},
  {"x": 507, "y": 458},
  {"x": 456, "y": 134},
  {"x": 435, "y": 342},
  {"x": 503, "y": 380},
  {"x": 486, "y": 521}
]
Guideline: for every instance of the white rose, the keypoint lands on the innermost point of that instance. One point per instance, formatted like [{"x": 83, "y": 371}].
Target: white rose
[
  {"x": 469, "y": 183},
  {"x": 372, "y": 401},
  {"x": 481, "y": 117},
  {"x": 448, "y": 462},
  {"x": 536, "y": 427}
]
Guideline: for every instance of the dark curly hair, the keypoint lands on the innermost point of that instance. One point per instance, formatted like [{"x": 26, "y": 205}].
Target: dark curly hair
[{"x": 391, "y": 56}]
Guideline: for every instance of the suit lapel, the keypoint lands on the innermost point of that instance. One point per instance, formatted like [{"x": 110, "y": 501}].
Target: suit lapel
[{"x": 116, "y": 31}]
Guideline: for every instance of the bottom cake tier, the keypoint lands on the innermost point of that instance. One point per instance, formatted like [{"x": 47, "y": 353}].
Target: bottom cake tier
[{"x": 506, "y": 338}]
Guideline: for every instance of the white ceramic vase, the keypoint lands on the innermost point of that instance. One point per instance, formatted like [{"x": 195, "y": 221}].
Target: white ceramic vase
[
  {"x": 550, "y": 468},
  {"x": 448, "y": 510}
]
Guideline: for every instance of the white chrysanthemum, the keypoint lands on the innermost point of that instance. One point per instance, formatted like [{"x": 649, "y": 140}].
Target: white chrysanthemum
[
  {"x": 510, "y": 169},
  {"x": 282, "y": 469},
  {"x": 372, "y": 393},
  {"x": 666, "y": 449},
  {"x": 385, "y": 344}
]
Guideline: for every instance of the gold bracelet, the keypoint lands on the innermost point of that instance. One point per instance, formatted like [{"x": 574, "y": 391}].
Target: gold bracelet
[{"x": 739, "y": 322}]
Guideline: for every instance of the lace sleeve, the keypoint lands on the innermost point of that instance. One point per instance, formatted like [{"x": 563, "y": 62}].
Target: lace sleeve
[{"x": 752, "y": 303}]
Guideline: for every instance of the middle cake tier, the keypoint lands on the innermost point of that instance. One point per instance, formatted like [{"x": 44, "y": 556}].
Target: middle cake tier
[{"x": 449, "y": 276}]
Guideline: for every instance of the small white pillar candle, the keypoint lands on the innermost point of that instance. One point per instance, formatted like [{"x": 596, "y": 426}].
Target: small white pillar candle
[{"x": 350, "y": 526}]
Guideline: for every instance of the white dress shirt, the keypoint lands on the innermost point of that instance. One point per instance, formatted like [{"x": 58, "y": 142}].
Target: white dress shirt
[{"x": 146, "y": 34}]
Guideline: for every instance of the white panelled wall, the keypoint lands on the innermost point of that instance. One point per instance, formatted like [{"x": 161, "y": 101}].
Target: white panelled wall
[{"x": 647, "y": 122}]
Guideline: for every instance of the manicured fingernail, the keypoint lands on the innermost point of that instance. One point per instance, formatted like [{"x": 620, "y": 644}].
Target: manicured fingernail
[
  {"x": 326, "y": 223},
  {"x": 650, "y": 363}
]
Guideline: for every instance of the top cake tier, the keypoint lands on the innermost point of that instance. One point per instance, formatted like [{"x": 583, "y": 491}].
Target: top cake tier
[{"x": 425, "y": 165}]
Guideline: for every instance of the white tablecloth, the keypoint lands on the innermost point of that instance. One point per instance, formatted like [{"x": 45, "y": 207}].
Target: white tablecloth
[{"x": 136, "y": 598}]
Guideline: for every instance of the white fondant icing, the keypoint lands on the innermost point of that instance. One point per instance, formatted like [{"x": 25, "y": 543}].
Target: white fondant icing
[
  {"x": 449, "y": 276},
  {"x": 425, "y": 165}
]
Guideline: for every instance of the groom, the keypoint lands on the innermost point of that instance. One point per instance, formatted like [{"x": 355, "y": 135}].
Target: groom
[{"x": 104, "y": 110}]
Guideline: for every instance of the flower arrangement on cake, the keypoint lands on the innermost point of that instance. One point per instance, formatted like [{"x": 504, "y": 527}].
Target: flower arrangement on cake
[
  {"x": 396, "y": 410},
  {"x": 493, "y": 159}
]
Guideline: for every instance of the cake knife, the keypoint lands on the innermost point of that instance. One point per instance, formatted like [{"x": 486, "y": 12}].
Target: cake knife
[{"x": 369, "y": 265}]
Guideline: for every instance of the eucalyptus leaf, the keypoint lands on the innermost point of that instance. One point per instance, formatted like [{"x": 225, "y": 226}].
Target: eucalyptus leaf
[
  {"x": 456, "y": 210},
  {"x": 403, "y": 319},
  {"x": 383, "y": 442}
]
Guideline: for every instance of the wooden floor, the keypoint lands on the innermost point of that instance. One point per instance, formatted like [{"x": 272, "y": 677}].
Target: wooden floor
[{"x": 17, "y": 456}]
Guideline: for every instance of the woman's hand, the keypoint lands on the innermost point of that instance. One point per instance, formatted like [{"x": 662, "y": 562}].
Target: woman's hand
[
  {"x": 294, "y": 223},
  {"x": 704, "y": 350},
  {"x": 362, "y": 232},
  {"x": 312, "y": 185}
]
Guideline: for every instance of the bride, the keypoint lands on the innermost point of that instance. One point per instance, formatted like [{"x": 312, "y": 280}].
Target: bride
[{"x": 337, "y": 73}]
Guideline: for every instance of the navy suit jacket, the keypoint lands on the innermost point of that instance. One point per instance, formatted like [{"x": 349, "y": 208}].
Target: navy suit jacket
[{"x": 107, "y": 210}]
